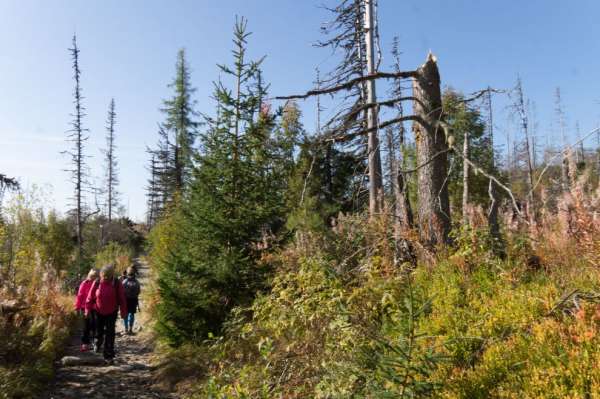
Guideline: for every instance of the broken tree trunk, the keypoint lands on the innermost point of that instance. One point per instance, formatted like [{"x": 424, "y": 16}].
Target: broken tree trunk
[
  {"x": 12, "y": 306},
  {"x": 434, "y": 205},
  {"x": 564, "y": 173},
  {"x": 571, "y": 169}
]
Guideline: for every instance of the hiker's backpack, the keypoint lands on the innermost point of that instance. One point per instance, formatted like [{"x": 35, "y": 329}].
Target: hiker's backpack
[{"x": 132, "y": 288}]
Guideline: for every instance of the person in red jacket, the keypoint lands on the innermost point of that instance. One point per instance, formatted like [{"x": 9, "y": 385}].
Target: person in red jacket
[
  {"x": 107, "y": 297},
  {"x": 89, "y": 322}
]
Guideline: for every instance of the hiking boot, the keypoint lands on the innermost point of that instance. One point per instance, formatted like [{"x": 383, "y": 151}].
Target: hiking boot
[{"x": 97, "y": 348}]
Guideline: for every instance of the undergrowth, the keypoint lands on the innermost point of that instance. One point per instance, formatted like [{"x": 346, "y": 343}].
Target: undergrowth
[
  {"x": 343, "y": 320},
  {"x": 39, "y": 273},
  {"x": 32, "y": 338}
]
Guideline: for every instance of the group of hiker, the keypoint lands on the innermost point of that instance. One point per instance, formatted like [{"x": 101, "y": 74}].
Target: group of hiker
[{"x": 101, "y": 296}]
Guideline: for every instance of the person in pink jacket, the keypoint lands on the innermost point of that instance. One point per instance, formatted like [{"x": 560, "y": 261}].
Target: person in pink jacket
[
  {"x": 106, "y": 297},
  {"x": 89, "y": 322}
]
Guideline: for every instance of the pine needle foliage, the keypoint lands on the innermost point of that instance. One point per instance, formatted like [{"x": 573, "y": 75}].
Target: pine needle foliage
[
  {"x": 229, "y": 211},
  {"x": 180, "y": 119}
]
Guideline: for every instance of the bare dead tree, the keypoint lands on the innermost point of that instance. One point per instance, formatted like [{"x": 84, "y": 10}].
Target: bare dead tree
[
  {"x": 375, "y": 177},
  {"x": 162, "y": 185},
  {"x": 598, "y": 152},
  {"x": 401, "y": 207},
  {"x": 111, "y": 165},
  {"x": 434, "y": 206},
  {"x": 403, "y": 217},
  {"x": 560, "y": 114},
  {"x": 152, "y": 192},
  {"x": 508, "y": 161},
  {"x": 347, "y": 125},
  {"x": 521, "y": 111},
  {"x": 166, "y": 167},
  {"x": 533, "y": 123},
  {"x": 563, "y": 152},
  {"x": 581, "y": 152},
  {"x": 465, "y": 196},
  {"x": 494, "y": 203},
  {"x": 77, "y": 136},
  {"x": 345, "y": 35}
]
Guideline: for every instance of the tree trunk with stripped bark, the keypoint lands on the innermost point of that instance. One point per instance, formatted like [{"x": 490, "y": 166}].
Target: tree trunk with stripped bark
[{"x": 434, "y": 204}]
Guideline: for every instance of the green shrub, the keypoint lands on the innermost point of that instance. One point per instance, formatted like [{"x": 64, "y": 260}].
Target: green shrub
[
  {"x": 319, "y": 335},
  {"x": 113, "y": 253}
]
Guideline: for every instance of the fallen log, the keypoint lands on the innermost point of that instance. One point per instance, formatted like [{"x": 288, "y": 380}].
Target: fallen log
[{"x": 12, "y": 306}]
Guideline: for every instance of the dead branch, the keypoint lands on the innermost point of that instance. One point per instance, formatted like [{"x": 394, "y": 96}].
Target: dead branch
[
  {"x": 349, "y": 84},
  {"x": 387, "y": 103},
  {"x": 491, "y": 177},
  {"x": 478, "y": 94},
  {"x": 8, "y": 182},
  {"x": 574, "y": 296},
  {"x": 347, "y": 137},
  {"x": 12, "y": 306},
  {"x": 562, "y": 301},
  {"x": 563, "y": 152},
  {"x": 312, "y": 163}
]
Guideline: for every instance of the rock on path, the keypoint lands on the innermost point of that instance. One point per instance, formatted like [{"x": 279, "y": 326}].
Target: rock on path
[{"x": 86, "y": 375}]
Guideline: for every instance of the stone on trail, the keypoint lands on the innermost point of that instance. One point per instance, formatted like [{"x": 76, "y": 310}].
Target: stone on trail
[{"x": 83, "y": 360}]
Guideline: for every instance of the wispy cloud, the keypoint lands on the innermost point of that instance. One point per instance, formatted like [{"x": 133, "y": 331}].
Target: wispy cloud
[{"x": 32, "y": 138}]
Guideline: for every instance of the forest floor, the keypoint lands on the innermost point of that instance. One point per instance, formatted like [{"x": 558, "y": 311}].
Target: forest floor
[{"x": 86, "y": 375}]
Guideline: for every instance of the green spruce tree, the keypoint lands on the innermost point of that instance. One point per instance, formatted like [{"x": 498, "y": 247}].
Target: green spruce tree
[
  {"x": 232, "y": 207},
  {"x": 180, "y": 122},
  {"x": 465, "y": 118}
]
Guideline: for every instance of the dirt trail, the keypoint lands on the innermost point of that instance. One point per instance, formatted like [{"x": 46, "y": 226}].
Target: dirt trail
[{"x": 131, "y": 375}]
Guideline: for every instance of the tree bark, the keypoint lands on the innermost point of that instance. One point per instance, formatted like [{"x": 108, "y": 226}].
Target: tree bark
[
  {"x": 375, "y": 179},
  {"x": 401, "y": 209},
  {"x": 492, "y": 215},
  {"x": 561, "y": 122},
  {"x": 465, "y": 196},
  {"x": 434, "y": 205},
  {"x": 520, "y": 105}
]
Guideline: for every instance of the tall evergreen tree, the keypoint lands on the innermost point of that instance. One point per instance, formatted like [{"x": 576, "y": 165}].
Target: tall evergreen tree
[
  {"x": 233, "y": 202},
  {"x": 180, "y": 121},
  {"x": 172, "y": 159}
]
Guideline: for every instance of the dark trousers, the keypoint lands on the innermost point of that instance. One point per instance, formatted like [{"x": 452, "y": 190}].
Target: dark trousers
[
  {"x": 106, "y": 334},
  {"x": 89, "y": 328}
]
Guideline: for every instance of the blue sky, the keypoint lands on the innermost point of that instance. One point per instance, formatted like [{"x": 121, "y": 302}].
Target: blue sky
[{"x": 128, "y": 52}]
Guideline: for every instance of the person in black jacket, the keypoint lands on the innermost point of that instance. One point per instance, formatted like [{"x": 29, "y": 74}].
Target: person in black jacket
[{"x": 132, "y": 292}]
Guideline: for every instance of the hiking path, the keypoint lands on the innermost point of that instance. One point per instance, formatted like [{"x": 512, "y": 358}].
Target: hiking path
[{"x": 86, "y": 375}]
